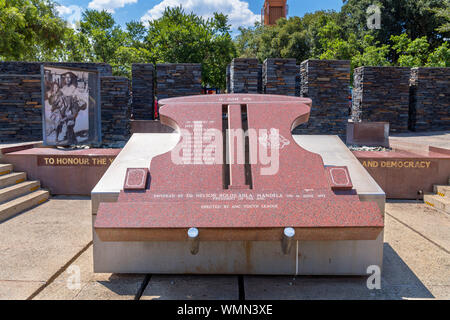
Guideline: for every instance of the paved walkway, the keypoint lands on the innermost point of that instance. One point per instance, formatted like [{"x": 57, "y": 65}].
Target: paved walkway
[
  {"x": 44, "y": 251},
  {"x": 420, "y": 141}
]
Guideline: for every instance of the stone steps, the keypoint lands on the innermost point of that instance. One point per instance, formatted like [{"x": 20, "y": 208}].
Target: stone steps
[
  {"x": 443, "y": 191},
  {"x": 440, "y": 199},
  {"x": 23, "y": 203},
  {"x": 17, "y": 190},
  {"x": 5, "y": 169},
  {"x": 12, "y": 178},
  {"x": 437, "y": 202},
  {"x": 17, "y": 194}
]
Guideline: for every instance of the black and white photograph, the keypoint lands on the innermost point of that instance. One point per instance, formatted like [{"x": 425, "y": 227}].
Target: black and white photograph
[{"x": 69, "y": 100}]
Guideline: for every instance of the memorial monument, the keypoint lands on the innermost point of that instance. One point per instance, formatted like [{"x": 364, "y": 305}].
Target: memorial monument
[{"x": 233, "y": 192}]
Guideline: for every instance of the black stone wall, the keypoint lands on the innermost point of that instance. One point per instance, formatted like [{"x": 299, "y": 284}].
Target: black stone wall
[
  {"x": 278, "y": 76},
  {"x": 382, "y": 94},
  {"x": 115, "y": 111},
  {"x": 178, "y": 80},
  {"x": 20, "y": 108},
  {"x": 326, "y": 83},
  {"x": 34, "y": 68},
  {"x": 245, "y": 76},
  {"x": 429, "y": 106},
  {"x": 143, "y": 75}
]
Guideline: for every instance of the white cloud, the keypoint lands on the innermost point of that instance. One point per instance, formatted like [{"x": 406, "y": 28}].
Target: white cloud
[
  {"x": 72, "y": 14},
  {"x": 109, "y": 5},
  {"x": 238, "y": 11}
]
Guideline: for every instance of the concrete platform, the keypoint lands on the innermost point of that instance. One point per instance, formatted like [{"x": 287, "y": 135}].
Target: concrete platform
[
  {"x": 415, "y": 263},
  {"x": 350, "y": 257}
]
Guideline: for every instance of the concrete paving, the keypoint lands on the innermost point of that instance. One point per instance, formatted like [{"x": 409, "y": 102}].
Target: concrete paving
[
  {"x": 45, "y": 253},
  {"x": 78, "y": 282},
  {"x": 37, "y": 243},
  {"x": 174, "y": 287},
  {"x": 420, "y": 141}
]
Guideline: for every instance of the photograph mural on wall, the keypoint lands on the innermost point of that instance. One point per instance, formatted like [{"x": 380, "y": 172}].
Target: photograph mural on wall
[{"x": 71, "y": 106}]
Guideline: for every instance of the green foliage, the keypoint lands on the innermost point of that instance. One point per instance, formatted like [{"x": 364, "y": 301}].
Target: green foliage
[
  {"x": 103, "y": 33},
  {"x": 373, "y": 54},
  {"x": 440, "y": 57},
  {"x": 295, "y": 37},
  {"x": 415, "y": 18},
  {"x": 444, "y": 14},
  {"x": 413, "y": 33},
  {"x": 178, "y": 37},
  {"x": 412, "y": 53},
  {"x": 29, "y": 29}
]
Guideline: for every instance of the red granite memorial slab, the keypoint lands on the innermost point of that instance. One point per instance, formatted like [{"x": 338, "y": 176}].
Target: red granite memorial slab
[{"x": 238, "y": 174}]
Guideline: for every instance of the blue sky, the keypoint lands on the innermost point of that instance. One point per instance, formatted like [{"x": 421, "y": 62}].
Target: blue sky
[{"x": 240, "y": 12}]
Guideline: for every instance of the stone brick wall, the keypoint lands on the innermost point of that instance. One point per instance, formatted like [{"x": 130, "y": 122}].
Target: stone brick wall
[
  {"x": 228, "y": 86},
  {"x": 115, "y": 111},
  {"x": 278, "y": 76},
  {"x": 260, "y": 78},
  {"x": 34, "y": 68},
  {"x": 429, "y": 99},
  {"x": 20, "y": 108},
  {"x": 326, "y": 82},
  {"x": 178, "y": 80},
  {"x": 382, "y": 94},
  {"x": 298, "y": 83},
  {"x": 245, "y": 76},
  {"x": 143, "y": 91}
]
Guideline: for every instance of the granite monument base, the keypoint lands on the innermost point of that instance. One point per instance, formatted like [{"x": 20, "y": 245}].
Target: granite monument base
[{"x": 337, "y": 257}]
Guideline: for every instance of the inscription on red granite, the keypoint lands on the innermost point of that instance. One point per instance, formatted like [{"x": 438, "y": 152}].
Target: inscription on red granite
[{"x": 238, "y": 174}]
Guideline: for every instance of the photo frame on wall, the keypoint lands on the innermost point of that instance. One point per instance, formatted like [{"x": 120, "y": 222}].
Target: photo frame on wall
[{"x": 71, "y": 107}]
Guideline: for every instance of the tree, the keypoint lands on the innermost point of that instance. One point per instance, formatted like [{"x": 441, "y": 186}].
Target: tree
[
  {"x": 103, "y": 33},
  {"x": 29, "y": 29},
  {"x": 290, "y": 38},
  {"x": 444, "y": 14},
  {"x": 248, "y": 41},
  {"x": 416, "y": 18},
  {"x": 440, "y": 57},
  {"x": 373, "y": 53},
  {"x": 412, "y": 53},
  {"x": 179, "y": 37}
]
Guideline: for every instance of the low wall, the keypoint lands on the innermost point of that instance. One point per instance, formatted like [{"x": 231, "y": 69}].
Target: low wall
[
  {"x": 406, "y": 175},
  {"x": 63, "y": 172}
]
